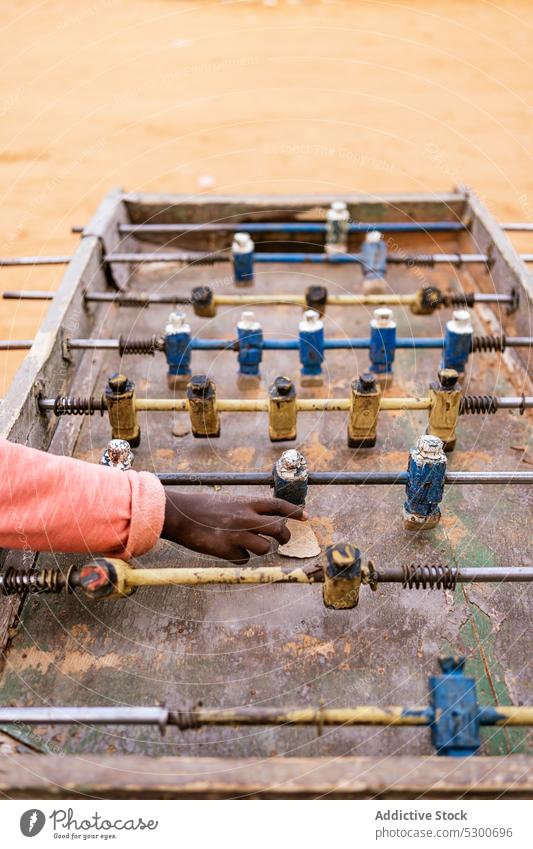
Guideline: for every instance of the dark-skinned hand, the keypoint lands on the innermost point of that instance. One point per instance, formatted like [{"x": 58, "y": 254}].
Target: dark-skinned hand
[{"x": 230, "y": 528}]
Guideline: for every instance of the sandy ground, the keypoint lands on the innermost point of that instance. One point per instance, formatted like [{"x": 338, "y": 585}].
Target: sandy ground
[{"x": 251, "y": 97}]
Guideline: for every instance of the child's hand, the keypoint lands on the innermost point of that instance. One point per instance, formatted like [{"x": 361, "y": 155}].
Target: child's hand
[{"x": 229, "y": 528}]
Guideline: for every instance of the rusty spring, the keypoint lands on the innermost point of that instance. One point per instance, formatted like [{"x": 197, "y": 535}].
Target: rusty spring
[
  {"x": 139, "y": 346},
  {"x": 203, "y": 259},
  {"x": 463, "y": 299},
  {"x": 489, "y": 343},
  {"x": 66, "y": 405},
  {"x": 133, "y": 299},
  {"x": 477, "y": 404},
  {"x": 19, "y": 581},
  {"x": 422, "y": 577}
]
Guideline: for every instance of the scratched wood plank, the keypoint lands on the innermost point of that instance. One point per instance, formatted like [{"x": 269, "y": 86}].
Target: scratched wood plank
[
  {"x": 119, "y": 776},
  {"x": 46, "y": 370}
]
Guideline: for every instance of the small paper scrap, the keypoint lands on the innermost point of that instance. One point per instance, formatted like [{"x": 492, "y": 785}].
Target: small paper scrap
[{"x": 303, "y": 542}]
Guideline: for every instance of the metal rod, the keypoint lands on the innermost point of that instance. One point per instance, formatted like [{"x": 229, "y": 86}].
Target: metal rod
[
  {"x": 359, "y": 715},
  {"x": 456, "y": 259},
  {"x": 489, "y": 478},
  {"x": 224, "y": 575},
  {"x": 15, "y": 344},
  {"x": 191, "y": 257},
  {"x": 517, "y": 227},
  {"x": 464, "y": 574},
  {"x": 292, "y": 227},
  {"x": 489, "y": 574},
  {"x": 34, "y": 260},
  {"x": 294, "y": 258},
  {"x": 185, "y": 719},
  {"x": 141, "y": 299},
  {"x": 85, "y": 715},
  {"x": 338, "y": 478},
  {"x": 511, "y": 403},
  {"x": 303, "y": 405},
  {"x": 388, "y": 715},
  {"x": 196, "y": 344},
  {"x": 89, "y": 344},
  {"x": 518, "y": 341},
  {"x": 314, "y": 574},
  {"x": 31, "y": 295},
  {"x": 506, "y": 715},
  {"x": 308, "y": 227},
  {"x": 260, "y": 405},
  {"x": 134, "y": 298}
]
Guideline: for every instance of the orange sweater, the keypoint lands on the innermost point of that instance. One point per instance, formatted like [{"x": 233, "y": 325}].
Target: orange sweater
[{"x": 51, "y": 503}]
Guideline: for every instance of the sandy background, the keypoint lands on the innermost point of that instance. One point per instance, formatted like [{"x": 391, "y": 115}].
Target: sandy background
[{"x": 251, "y": 97}]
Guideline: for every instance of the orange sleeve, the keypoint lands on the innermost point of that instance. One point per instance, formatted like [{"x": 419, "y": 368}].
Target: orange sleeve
[{"x": 51, "y": 503}]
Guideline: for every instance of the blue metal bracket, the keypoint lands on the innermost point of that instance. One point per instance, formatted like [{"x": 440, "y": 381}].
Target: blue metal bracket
[{"x": 456, "y": 715}]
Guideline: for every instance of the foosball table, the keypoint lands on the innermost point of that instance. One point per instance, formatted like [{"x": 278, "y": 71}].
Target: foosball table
[{"x": 368, "y": 357}]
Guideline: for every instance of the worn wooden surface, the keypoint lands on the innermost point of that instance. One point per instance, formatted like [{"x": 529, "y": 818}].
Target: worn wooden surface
[
  {"x": 177, "y": 209},
  {"x": 123, "y": 777},
  {"x": 278, "y": 645},
  {"x": 507, "y": 271}
]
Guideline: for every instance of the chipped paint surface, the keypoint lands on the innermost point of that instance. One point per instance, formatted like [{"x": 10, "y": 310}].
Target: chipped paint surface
[
  {"x": 278, "y": 645},
  {"x": 241, "y": 458}
]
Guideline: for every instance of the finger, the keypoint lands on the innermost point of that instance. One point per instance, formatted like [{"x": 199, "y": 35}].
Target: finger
[
  {"x": 279, "y": 507},
  {"x": 236, "y": 554},
  {"x": 255, "y": 543},
  {"x": 275, "y": 528}
]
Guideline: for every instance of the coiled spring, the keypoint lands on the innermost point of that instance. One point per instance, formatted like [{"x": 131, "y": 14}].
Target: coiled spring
[
  {"x": 133, "y": 299},
  {"x": 477, "y": 404},
  {"x": 19, "y": 581},
  {"x": 489, "y": 343},
  {"x": 203, "y": 259},
  {"x": 418, "y": 260},
  {"x": 422, "y": 577},
  {"x": 66, "y": 405},
  {"x": 185, "y": 720},
  {"x": 139, "y": 346},
  {"x": 464, "y": 299}
]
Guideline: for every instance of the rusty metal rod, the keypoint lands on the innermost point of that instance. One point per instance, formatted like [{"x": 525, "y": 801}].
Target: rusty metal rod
[
  {"x": 162, "y": 577},
  {"x": 261, "y": 405},
  {"x": 287, "y": 227},
  {"x": 191, "y": 257},
  {"x": 308, "y": 227},
  {"x": 418, "y": 576},
  {"x": 113, "y": 578},
  {"x": 338, "y": 478},
  {"x": 302, "y": 575},
  {"x": 142, "y": 299},
  {"x": 464, "y": 574},
  {"x": 190, "y": 718},
  {"x": 197, "y": 344}
]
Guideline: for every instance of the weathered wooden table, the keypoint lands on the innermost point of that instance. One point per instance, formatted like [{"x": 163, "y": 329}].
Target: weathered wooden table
[{"x": 266, "y": 644}]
